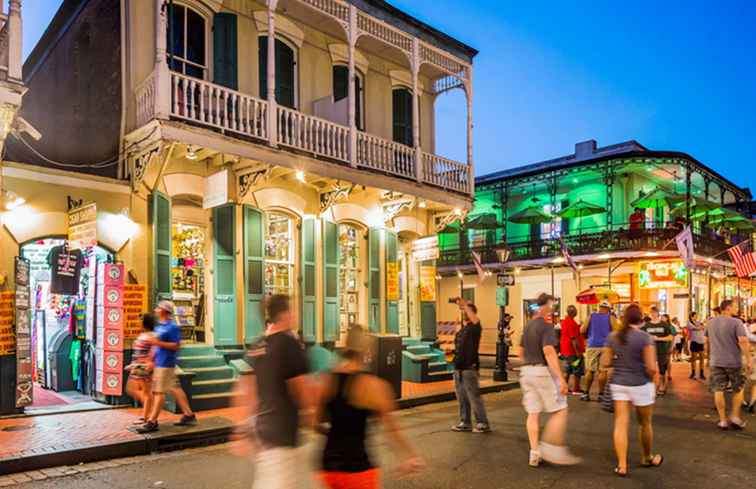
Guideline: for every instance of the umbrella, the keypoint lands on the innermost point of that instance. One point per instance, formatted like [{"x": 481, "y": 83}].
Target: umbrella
[
  {"x": 718, "y": 214},
  {"x": 530, "y": 215},
  {"x": 596, "y": 295},
  {"x": 657, "y": 198},
  {"x": 482, "y": 221},
  {"x": 733, "y": 222},
  {"x": 580, "y": 208},
  {"x": 697, "y": 206}
]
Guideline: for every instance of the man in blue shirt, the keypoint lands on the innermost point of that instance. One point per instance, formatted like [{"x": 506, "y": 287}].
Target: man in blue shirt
[
  {"x": 597, "y": 329},
  {"x": 166, "y": 343}
]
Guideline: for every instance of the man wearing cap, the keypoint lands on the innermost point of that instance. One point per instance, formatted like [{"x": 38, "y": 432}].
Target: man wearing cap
[
  {"x": 166, "y": 343},
  {"x": 597, "y": 329}
]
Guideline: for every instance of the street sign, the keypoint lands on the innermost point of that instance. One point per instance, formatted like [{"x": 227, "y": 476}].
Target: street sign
[
  {"x": 502, "y": 297},
  {"x": 505, "y": 280}
]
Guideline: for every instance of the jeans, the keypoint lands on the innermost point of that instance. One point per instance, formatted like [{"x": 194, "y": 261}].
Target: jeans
[{"x": 468, "y": 394}]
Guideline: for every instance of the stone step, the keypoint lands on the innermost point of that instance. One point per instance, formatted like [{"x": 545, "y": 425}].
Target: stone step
[
  {"x": 212, "y": 373},
  {"x": 189, "y": 363},
  {"x": 438, "y": 367},
  {"x": 213, "y": 386},
  {"x": 203, "y": 402},
  {"x": 439, "y": 376}
]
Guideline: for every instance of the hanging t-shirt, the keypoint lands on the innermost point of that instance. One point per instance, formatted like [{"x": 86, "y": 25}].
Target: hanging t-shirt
[
  {"x": 66, "y": 269},
  {"x": 75, "y": 356}
]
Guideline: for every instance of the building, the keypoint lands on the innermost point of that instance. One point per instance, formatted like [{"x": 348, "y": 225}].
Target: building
[{"x": 516, "y": 213}]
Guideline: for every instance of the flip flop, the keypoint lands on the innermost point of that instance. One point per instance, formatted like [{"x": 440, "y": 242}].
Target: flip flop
[
  {"x": 723, "y": 426},
  {"x": 738, "y": 426},
  {"x": 618, "y": 473},
  {"x": 651, "y": 464}
]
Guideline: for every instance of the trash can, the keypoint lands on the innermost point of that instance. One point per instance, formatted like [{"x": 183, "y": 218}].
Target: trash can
[{"x": 384, "y": 359}]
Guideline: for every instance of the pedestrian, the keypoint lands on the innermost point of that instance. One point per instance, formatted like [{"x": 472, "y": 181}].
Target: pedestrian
[
  {"x": 544, "y": 389},
  {"x": 727, "y": 343},
  {"x": 663, "y": 335},
  {"x": 696, "y": 333},
  {"x": 139, "y": 384},
  {"x": 348, "y": 398},
  {"x": 597, "y": 330},
  {"x": 679, "y": 341},
  {"x": 281, "y": 397},
  {"x": 750, "y": 402},
  {"x": 572, "y": 347},
  {"x": 632, "y": 356},
  {"x": 166, "y": 342},
  {"x": 466, "y": 375}
]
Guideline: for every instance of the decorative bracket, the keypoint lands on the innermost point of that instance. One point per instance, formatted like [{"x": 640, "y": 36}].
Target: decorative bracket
[
  {"x": 328, "y": 199},
  {"x": 140, "y": 163},
  {"x": 450, "y": 218},
  {"x": 250, "y": 180},
  {"x": 390, "y": 211}
]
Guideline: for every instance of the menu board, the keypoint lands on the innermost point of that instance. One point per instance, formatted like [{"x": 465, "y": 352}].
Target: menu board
[
  {"x": 427, "y": 283},
  {"x": 23, "y": 338},
  {"x": 82, "y": 227},
  {"x": 7, "y": 318},
  {"x": 392, "y": 281},
  {"x": 134, "y": 305}
]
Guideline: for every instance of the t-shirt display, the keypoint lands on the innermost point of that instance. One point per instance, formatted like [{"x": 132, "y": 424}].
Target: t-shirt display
[
  {"x": 724, "y": 335},
  {"x": 65, "y": 267},
  {"x": 537, "y": 334},
  {"x": 660, "y": 330},
  {"x": 628, "y": 364}
]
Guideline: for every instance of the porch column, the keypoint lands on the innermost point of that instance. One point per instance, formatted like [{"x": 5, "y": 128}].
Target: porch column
[
  {"x": 14, "y": 41},
  {"x": 469, "y": 93},
  {"x": 162, "y": 73},
  {"x": 416, "y": 109},
  {"x": 271, "y": 74},
  {"x": 352, "y": 94}
]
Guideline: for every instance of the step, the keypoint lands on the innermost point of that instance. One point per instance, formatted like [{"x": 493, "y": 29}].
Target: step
[
  {"x": 196, "y": 349},
  {"x": 232, "y": 354},
  {"x": 188, "y": 363},
  {"x": 213, "y": 386},
  {"x": 438, "y": 367},
  {"x": 204, "y": 402},
  {"x": 421, "y": 357},
  {"x": 440, "y": 376},
  {"x": 416, "y": 349},
  {"x": 212, "y": 373}
]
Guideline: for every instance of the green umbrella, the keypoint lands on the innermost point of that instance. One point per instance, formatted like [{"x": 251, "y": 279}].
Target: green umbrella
[
  {"x": 744, "y": 225},
  {"x": 482, "y": 221},
  {"x": 697, "y": 206},
  {"x": 718, "y": 214},
  {"x": 580, "y": 208},
  {"x": 732, "y": 221},
  {"x": 531, "y": 215},
  {"x": 656, "y": 198}
]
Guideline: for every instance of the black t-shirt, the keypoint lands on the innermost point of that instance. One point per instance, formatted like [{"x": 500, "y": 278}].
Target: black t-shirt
[
  {"x": 274, "y": 360},
  {"x": 466, "y": 344},
  {"x": 66, "y": 269}
]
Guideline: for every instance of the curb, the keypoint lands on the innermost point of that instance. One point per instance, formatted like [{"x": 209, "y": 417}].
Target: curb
[{"x": 451, "y": 396}]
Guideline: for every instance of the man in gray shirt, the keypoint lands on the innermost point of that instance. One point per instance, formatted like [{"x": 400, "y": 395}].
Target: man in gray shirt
[{"x": 727, "y": 344}]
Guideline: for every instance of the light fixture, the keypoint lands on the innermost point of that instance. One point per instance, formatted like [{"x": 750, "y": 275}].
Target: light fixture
[
  {"x": 459, "y": 274},
  {"x": 574, "y": 180},
  {"x": 517, "y": 271},
  {"x": 581, "y": 266},
  {"x": 710, "y": 260},
  {"x": 422, "y": 204},
  {"x": 559, "y": 259},
  {"x": 604, "y": 256},
  {"x": 652, "y": 253},
  {"x": 191, "y": 154},
  {"x": 13, "y": 201},
  {"x": 457, "y": 211},
  {"x": 300, "y": 176}
]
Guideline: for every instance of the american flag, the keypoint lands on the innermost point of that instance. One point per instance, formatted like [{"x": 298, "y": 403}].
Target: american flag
[
  {"x": 566, "y": 254},
  {"x": 478, "y": 266},
  {"x": 743, "y": 258}
]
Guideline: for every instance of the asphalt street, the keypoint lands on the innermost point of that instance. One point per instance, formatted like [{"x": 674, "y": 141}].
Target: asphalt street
[{"x": 697, "y": 454}]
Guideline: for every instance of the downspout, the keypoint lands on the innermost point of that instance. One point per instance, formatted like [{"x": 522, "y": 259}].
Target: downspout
[{"x": 125, "y": 78}]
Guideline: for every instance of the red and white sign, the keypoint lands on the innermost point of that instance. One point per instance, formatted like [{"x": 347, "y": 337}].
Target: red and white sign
[
  {"x": 109, "y": 383},
  {"x": 112, "y": 339},
  {"x": 109, "y": 317},
  {"x": 109, "y": 361},
  {"x": 110, "y": 296},
  {"x": 110, "y": 274}
]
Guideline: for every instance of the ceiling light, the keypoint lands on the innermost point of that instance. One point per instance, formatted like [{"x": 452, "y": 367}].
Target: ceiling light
[
  {"x": 300, "y": 176},
  {"x": 517, "y": 271},
  {"x": 459, "y": 274},
  {"x": 604, "y": 256},
  {"x": 558, "y": 259},
  {"x": 710, "y": 260},
  {"x": 580, "y": 267},
  {"x": 652, "y": 253},
  {"x": 191, "y": 154},
  {"x": 13, "y": 201},
  {"x": 457, "y": 211},
  {"x": 422, "y": 204}
]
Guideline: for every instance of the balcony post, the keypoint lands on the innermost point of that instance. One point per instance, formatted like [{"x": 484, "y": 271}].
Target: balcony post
[
  {"x": 271, "y": 76},
  {"x": 15, "y": 27},
  {"x": 469, "y": 93},
  {"x": 416, "y": 109},
  {"x": 352, "y": 92},
  {"x": 162, "y": 74}
]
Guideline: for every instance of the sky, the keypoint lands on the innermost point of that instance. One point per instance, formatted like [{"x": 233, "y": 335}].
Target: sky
[{"x": 676, "y": 75}]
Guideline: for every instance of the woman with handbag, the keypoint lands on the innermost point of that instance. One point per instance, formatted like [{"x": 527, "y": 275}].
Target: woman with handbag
[
  {"x": 632, "y": 355},
  {"x": 139, "y": 385}
]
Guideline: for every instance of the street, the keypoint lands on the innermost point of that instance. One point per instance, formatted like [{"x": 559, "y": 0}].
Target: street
[{"x": 696, "y": 453}]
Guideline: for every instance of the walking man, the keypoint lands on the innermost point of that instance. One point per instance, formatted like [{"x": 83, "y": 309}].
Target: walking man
[
  {"x": 727, "y": 344},
  {"x": 166, "y": 342},
  {"x": 663, "y": 334},
  {"x": 544, "y": 389},
  {"x": 572, "y": 346},
  {"x": 466, "y": 376},
  {"x": 597, "y": 329}
]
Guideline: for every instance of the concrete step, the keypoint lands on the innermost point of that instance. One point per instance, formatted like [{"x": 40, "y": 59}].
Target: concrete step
[
  {"x": 212, "y": 373},
  {"x": 196, "y": 349},
  {"x": 439, "y": 376},
  {"x": 418, "y": 349},
  {"x": 213, "y": 386},
  {"x": 189, "y": 363},
  {"x": 438, "y": 367},
  {"x": 204, "y": 402}
]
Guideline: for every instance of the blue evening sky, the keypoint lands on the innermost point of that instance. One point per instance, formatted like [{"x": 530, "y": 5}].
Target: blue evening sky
[{"x": 674, "y": 75}]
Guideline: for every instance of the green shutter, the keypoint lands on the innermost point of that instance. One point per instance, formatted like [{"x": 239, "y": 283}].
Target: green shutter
[
  {"x": 285, "y": 71},
  {"x": 392, "y": 307},
  {"x": 309, "y": 293},
  {"x": 253, "y": 274},
  {"x": 374, "y": 280},
  {"x": 160, "y": 215},
  {"x": 224, "y": 275},
  {"x": 330, "y": 281},
  {"x": 225, "y": 50},
  {"x": 402, "y": 116}
]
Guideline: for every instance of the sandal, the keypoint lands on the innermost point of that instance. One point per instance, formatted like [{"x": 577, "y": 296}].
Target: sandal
[
  {"x": 652, "y": 463},
  {"x": 738, "y": 424},
  {"x": 618, "y": 472},
  {"x": 723, "y": 426}
]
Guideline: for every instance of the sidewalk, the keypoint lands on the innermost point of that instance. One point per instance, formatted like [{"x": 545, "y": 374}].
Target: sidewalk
[{"x": 38, "y": 442}]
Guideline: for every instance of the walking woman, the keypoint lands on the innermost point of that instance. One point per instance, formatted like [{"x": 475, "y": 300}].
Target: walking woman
[
  {"x": 696, "y": 334},
  {"x": 632, "y": 355},
  {"x": 349, "y": 398},
  {"x": 139, "y": 385}
]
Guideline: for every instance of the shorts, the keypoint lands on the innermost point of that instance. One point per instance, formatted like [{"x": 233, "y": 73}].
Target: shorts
[
  {"x": 638, "y": 395},
  {"x": 696, "y": 347},
  {"x": 593, "y": 360},
  {"x": 163, "y": 380},
  {"x": 574, "y": 365},
  {"x": 663, "y": 360},
  {"x": 368, "y": 479},
  {"x": 540, "y": 390},
  {"x": 722, "y": 377},
  {"x": 679, "y": 347}
]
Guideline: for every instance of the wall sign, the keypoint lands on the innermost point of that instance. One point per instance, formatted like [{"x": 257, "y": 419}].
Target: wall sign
[
  {"x": 82, "y": 227},
  {"x": 216, "y": 190},
  {"x": 424, "y": 249},
  {"x": 505, "y": 280},
  {"x": 427, "y": 283},
  {"x": 668, "y": 274},
  {"x": 7, "y": 318},
  {"x": 392, "y": 281},
  {"x": 24, "y": 394},
  {"x": 134, "y": 305}
]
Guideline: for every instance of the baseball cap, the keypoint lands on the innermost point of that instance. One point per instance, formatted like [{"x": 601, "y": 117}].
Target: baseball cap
[
  {"x": 544, "y": 298},
  {"x": 166, "y": 306},
  {"x": 605, "y": 304}
]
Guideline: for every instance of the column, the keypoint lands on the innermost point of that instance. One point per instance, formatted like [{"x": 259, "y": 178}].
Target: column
[
  {"x": 271, "y": 74},
  {"x": 14, "y": 41},
  {"x": 416, "y": 109},
  {"x": 161, "y": 72},
  {"x": 352, "y": 94},
  {"x": 469, "y": 93}
]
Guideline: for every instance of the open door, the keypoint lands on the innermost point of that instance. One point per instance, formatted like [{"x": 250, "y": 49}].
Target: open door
[
  {"x": 160, "y": 216},
  {"x": 253, "y": 274},
  {"x": 224, "y": 283}
]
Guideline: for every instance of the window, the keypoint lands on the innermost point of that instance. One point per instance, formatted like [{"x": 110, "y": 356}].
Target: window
[
  {"x": 341, "y": 90},
  {"x": 279, "y": 254},
  {"x": 187, "y": 34},
  {"x": 402, "y": 116},
  {"x": 349, "y": 276},
  {"x": 286, "y": 72}
]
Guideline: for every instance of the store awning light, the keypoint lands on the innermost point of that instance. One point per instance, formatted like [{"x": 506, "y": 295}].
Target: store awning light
[
  {"x": 13, "y": 201},
  {"x": 559, "y": 259},
  {"x": 652, "y": 253},
  {"x": 191, "y": 154}
]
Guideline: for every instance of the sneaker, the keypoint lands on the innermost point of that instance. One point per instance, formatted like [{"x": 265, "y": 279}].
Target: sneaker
[
  {"x": 461, "y": 427},
  {"x": 585, "y": 397},
  {"x": 702, "y": 376},
  {"x": 148, "y": 427},
  {"x": 692, "y": 376},
  {"x": 186, "y": 421},
  {"x": 535, "y": 458},
  {"x": 558, "y": 455},
  {"x": 481, "y": 428}
]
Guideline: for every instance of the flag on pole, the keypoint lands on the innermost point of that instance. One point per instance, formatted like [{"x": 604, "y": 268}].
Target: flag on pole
[
  {"x": 743, "y": 258},
  {"x": 566, "y": 254},
  {"x": 478, "y": 266},
  {"x": 684, "y": 242}
]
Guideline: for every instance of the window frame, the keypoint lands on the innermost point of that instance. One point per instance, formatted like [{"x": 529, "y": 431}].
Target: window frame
[
  {"x": 208, "y": 21},
  {"x": 360, "y": 96},
  {"x": 295, "y": 49}
]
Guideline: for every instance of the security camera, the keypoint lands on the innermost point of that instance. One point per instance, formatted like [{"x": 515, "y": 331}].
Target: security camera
[{"x": 22, "y": 125}]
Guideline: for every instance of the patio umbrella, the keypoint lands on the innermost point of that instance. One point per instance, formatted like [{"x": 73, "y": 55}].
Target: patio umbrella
[
  {"x": 580, "y": 208},
  {"x": 597, "y": 295},
  {"x": 697, "y": 206},
  {"x": 717, "y": 214},
  {"x": 656, "y": 198},
  {"x": 482, "y": 221},
  {"x": 531, "y": 215}
]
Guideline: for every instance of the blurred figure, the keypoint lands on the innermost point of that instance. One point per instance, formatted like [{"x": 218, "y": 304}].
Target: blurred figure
[
  {"x": 750, "y": 403},
  {"x": 697, "y": 341},
  {"x": 631, "y": 353},
  {"x": 597, "y": 330},
  {"x": 139, "y": 385},
  {"x": 572, "y": 346},
  {"x": 544, "y": 389},
  {"x": 348, "y": 398},
  {"x": 279, "y": 397},
  {"x": 663, "y": 336},
  {"x": 679, "y": 342}
]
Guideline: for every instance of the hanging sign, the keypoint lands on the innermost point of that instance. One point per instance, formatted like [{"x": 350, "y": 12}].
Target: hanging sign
[
  {"x": 82, "y": 227},
  {"x": 424, "y": 249},
  {"x": 216, "y": 190},
  {"x": 668, "y": 274},
  {"x": 392, "y": 281},
  {"x": 7, "y": 317},
  {"x": 134, "y": 305},
  {"x": 505, "y": 280},
  {"x": 24, "y": 396},
  {"x": 427, "y": 283}
]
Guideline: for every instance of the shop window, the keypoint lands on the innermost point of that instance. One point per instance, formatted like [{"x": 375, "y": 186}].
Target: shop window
[
  {"x": 188, "y": 277},
  {"x": 349, "y": 275},
  {"x": 279, "y": 254},
  {"x": 341, "y": 91},
  {"x": 402, "y": 116},
  {"x": 286, "y": 71},
  {"x": 187, "y": 41}
]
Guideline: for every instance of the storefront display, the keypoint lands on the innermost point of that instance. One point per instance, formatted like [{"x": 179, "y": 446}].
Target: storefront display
[
  {"x": 188, "y": 277},
  {"x": 279, "y": 254},
  {"x": 349, "y": 276}
]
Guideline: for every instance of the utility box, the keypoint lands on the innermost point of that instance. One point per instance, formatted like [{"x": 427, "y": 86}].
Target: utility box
[{"x": 384, "y": 359}]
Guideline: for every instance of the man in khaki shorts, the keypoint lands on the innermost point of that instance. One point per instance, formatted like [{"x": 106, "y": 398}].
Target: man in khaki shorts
[
  {"x": 597, "y": 329},
  {"x": 544, "y": 389}
]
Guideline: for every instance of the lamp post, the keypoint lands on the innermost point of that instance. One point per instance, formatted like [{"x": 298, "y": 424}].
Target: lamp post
[{"x": 502, "y": 342}]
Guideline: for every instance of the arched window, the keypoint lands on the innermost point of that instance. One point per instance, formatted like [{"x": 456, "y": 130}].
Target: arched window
[
  {"x": 402, "y": 115},
  {"x": 286, "y": 72},
  {"x": 341, "y": 91},
  {"x": 187, "y": 41}
]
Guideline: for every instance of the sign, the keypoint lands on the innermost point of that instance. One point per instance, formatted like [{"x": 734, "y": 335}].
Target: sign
[
  {"x": 7, "y": 317},
  {"x": 134, "y": 305},
  {"x": 216, "y": 190},
  {"x": 427, "y": 283},
  {"x": 668, "y": 274},
  {"x": 424, "y": 249},
  {"x": 502, "y": 296},
  {"x": 82, "y": 227},
  {"x": 392, "y": 281},
  {"x": 681, "y": 296},
  {"x": 622, "y": 290},
  {"x": 24, "y": 394},
  {"x": 505, "y": 280}
]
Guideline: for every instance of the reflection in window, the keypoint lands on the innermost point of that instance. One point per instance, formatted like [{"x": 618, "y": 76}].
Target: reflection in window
[{"x": 186, "y": 41}]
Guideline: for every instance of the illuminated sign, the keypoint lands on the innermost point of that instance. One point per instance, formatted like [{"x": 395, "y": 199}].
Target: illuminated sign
[
  {"x": 622, "y": 290},
  {"x": 662, "y": 275},
  {"x": 424, "y": 249}
]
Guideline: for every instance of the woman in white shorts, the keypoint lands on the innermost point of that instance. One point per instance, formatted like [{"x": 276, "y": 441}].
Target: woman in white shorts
[{"x": 632, "y": 355}]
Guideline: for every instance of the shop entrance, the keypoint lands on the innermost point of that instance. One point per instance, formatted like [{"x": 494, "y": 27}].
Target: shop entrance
[
  {"x": 409, "y": 288},
  {"x": 62, "y": 313},
  {"x": 350, "y": 255},
  {"x": 188, "y": 279}
]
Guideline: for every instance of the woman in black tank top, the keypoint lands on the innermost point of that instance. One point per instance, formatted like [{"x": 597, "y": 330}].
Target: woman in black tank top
[{"x": 348, "y": 398}]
